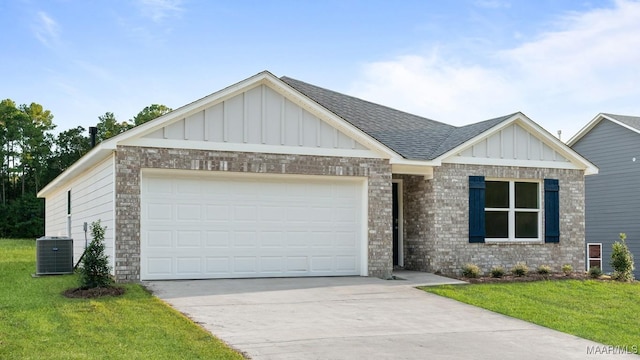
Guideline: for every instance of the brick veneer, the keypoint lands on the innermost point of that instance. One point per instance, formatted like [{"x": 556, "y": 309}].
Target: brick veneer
[
  {"x": 436, "y": 221},
  {"x": 130, "y": 161}
]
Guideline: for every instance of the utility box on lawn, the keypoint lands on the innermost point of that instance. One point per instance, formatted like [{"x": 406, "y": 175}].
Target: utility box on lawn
[{"x": 54, "y": 255}]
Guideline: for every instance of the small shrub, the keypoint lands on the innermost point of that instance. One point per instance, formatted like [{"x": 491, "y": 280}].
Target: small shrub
[
  {"x": 95, "y": 271},
  {"x": 622, "y": 260},
  {"x": 543, "y": 270},
  {"x": 595, "y": 272},
  {"x": 567, "y": 269},
  {"x": 520, "y": 269},
  {"x": 470, "y": 271},
  {"x": 497, "y": 272}
]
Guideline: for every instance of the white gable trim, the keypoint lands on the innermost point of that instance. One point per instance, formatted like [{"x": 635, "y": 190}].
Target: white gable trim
[
  {"x": 263, "y": 78},
  {"x": 595, "y": 121},
  {"x": 576, "y": 161}
]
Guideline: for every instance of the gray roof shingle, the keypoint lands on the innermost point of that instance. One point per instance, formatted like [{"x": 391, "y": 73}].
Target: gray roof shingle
[
  {"x": 632, "y": 121},
  {"x": 411, "y": 136}
]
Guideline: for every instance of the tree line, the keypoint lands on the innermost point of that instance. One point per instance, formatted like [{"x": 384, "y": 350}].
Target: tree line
[{"x": 31, "y": 155}]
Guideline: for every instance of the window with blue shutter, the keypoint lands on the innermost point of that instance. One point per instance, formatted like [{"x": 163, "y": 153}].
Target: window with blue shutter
[
  {"x": 476, "y": 209},
  {"x": 551, "y": 211}
]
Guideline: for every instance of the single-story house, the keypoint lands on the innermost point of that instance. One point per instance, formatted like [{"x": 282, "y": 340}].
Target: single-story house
[
  {"x": 612, "y": 143},
  {"x": 275, "y": 177}
]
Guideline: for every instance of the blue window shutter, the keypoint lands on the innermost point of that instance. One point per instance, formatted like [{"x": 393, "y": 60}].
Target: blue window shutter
[
  {"x": 476, "y": 209},
  {"x": 551, "y": 211}
]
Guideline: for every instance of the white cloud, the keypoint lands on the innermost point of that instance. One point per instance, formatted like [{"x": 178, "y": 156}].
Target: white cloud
[
  {"x": 435, "y": 88},
  {"x": 158, "y": 10},
  {"x": 562, "y": 79},
  {"x": 46, "y": 29}
]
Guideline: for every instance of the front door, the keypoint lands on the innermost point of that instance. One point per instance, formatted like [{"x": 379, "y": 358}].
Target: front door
[{"x": 396, "y": 237}]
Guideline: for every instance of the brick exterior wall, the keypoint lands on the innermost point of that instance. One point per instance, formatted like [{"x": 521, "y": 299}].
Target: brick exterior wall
[
  {"x": 130, "y": 161},
  {"x": 436, "y": 218}
]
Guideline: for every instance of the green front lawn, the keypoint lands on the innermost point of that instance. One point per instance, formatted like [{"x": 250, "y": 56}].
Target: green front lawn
[
  {"x": 606, "y": 312},
  {"x": 37, "y": 322}
]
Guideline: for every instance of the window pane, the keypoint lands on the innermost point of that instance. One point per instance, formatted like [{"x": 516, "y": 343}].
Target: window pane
[
  {"x": 594, "y": 250},
  {"x": 595, "y": 263},
  {"x": 526, "y": 195},
  {"x": 526, "y": 225},
  {"x": 497, "y": 224},
  {"x": 496, "y": 194}
]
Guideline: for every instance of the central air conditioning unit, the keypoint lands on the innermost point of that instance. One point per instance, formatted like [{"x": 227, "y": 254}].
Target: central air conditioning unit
[{"x": 54, "y": 255}]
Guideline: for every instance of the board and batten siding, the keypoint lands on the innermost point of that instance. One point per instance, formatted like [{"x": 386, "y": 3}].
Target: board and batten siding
[
  {"x": 258, "y": 116},
  {"x": 613, "y": 195},
  {"x": 92, "y": 198},
  {"x": 513, "y": 142}
]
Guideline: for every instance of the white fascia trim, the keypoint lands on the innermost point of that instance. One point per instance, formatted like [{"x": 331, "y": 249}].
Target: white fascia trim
[
  {"x": 582, "y": 132},
  {"x": 519, "y": 118},
  {"x": 252, "y": 148},
  {"x": 89, "y": 160}
]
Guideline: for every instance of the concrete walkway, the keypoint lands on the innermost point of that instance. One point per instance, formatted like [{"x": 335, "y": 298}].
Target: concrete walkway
[{"x": 362, "y": 318}]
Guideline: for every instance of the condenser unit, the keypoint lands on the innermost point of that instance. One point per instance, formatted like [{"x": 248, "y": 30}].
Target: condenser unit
[{"x": 54, "y": 255}]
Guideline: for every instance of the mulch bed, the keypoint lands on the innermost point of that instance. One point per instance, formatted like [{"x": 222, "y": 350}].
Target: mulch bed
[
  {"x": 526, "y": 278},
  {"x": 92, "y": 293}
]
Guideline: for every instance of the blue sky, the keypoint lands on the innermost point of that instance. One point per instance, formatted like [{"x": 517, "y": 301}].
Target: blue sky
[{"x": 559, "y": 62}]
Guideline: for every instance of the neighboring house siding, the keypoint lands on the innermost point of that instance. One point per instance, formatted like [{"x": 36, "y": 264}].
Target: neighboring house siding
[
  {"x": 612, "y": 196},
  {"x": 92, "y": 196},
  {"x": 130, "y": 161},
  {"x": 440, "y": 243}
]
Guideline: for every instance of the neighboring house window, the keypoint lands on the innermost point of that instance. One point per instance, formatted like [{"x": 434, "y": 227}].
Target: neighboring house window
[
  {"x": 512, "y": 210},
  {"x": 509, "y": 210},
  {"x": 595, "y": 255},
  {"x": 69, "y": 213}
]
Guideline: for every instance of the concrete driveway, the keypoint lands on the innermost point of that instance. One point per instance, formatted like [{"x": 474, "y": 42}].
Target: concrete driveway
[{"x": 362, "y": 318}]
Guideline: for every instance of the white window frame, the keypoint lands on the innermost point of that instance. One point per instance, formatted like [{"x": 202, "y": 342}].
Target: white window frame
[
  {"x": 512, "y": 211},
  {"x": 589, "y": 258},
  {"x": 69, "y": 212}
]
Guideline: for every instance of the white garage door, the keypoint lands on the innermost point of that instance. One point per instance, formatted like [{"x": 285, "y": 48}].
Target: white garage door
[{"x": 232, "y": 226}]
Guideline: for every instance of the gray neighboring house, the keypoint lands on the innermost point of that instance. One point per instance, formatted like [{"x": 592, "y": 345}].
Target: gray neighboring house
[
  {"x": 275, "y": 177},
  {"x": 612, "y": 143}
]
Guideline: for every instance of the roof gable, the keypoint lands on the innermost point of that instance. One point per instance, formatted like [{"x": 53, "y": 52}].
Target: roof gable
[
  {"x": 257, "y": 119},
  {"x": 517, "y": 141},
  {"x": 629, "y": 122},
  {"x": 259, "y": 114}
]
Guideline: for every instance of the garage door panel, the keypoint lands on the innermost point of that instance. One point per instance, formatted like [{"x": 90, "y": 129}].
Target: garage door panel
[
  {"x": 159, "y": 211},
  {"x": 188, "y": 239},
  {"x": 345, "y": 263},
  {"x": 188, "y": 212},
  {"x": 159, "y": 266},
  {"x": 245, "y": 265},
  {"x": 217, "y": 265},
  {"x": 159, "y": 239},
  {"x": 250, "y": 227},
  {"x": 244, "y": 239},
  {"x": 217, "y": 239}
]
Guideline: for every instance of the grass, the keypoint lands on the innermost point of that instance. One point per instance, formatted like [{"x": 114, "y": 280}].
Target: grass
[
  {"x": 37, "y": 322},
  {"x": 606, "y": 312}
]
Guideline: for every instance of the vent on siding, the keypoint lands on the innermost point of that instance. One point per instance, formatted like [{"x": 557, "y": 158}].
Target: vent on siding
[{"x": 54, "y": 255}]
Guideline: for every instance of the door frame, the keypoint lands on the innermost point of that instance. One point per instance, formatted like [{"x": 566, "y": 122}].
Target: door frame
[{"x": 399, "y": 205}]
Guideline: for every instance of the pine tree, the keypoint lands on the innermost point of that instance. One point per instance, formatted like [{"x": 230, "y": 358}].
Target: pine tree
[{"x": 95, "y": 270}]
